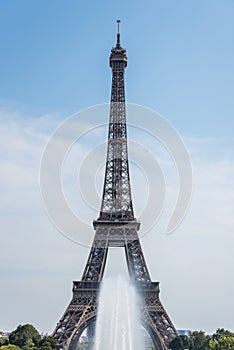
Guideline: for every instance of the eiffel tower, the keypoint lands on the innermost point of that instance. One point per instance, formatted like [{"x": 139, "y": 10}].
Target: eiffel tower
[{"x": 115, "y": 227}]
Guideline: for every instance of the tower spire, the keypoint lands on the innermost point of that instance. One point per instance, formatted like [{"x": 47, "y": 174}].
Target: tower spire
[{"x": 118, "y": 33}]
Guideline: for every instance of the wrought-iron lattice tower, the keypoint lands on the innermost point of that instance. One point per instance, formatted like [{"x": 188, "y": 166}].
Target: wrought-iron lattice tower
[{"x": 116, "y": 226}]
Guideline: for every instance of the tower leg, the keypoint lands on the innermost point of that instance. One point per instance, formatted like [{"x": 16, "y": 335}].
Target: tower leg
[
  {"x": 80, "y": 314},
  {"x": 154, "y": 316},
  {"x": 136, "y": 262}
]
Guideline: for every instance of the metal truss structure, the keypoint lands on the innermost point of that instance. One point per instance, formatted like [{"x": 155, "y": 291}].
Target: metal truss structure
[{"x": 115, "y": 227}]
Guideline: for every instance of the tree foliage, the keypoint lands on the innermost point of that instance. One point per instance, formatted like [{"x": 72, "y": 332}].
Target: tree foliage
[
  {"x": 9, "y": 347},
  {"x": 221, "y": 332},
  {"x": 47, "y": 343},
  {"x": 181, "y": 342},
  {"x": 200, "y": 340},
  {"x": 4, "y": 340},
  {"x": 25, "y": 336},
  {"x": 222, "y": 343}
]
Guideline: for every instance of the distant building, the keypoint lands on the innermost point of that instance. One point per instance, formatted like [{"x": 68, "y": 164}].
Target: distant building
[
  {"x": 3, "y": 334},
  {"x": 187, "y": 332}
]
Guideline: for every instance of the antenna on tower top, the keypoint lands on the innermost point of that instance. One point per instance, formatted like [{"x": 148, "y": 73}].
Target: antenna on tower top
[
  {"x": 118, "y": 21},
  {"x": 118, "y": 34}
]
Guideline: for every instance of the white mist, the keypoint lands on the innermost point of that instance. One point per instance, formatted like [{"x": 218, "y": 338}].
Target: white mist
[{"x": 118, "y": 321}]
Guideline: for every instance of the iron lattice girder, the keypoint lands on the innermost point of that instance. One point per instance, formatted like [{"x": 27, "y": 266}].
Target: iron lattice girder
[
  {"x": 78, "y": 314},
  {"x": 117, "y": 190},
  {"x": 116, "y": 234}
]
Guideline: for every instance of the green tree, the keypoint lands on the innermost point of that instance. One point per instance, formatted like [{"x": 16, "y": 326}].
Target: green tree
[
  {"x": 200, "y": 340},
  {"x": 222, "y": 343},
  {"x": 29, "y": 345},
  {"x": 25, "y": 336},
  {"x": 9, "y": 347},
  {"x": 47, "y": 343},
  {"x": 176, "y": 343},
  {"x": 221, "y": 332},
  {"x": 181, "y": 342},
  {"x": 4, "y": 340}
]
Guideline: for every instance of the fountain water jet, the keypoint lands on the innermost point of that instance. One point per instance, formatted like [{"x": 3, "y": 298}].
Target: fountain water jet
[{"x": 118, "y": 321}]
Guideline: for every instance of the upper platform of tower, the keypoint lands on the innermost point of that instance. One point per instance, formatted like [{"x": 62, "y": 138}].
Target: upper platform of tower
[{"x": 118, "y": 57}]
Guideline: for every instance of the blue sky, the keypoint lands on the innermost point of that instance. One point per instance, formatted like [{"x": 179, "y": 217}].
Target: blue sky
[
  {"x": 54, "y": 62},
  {"x": 55, "y": 58}
]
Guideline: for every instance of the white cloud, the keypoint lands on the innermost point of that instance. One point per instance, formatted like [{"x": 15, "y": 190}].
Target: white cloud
[{"x": 194, "y": 264}]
